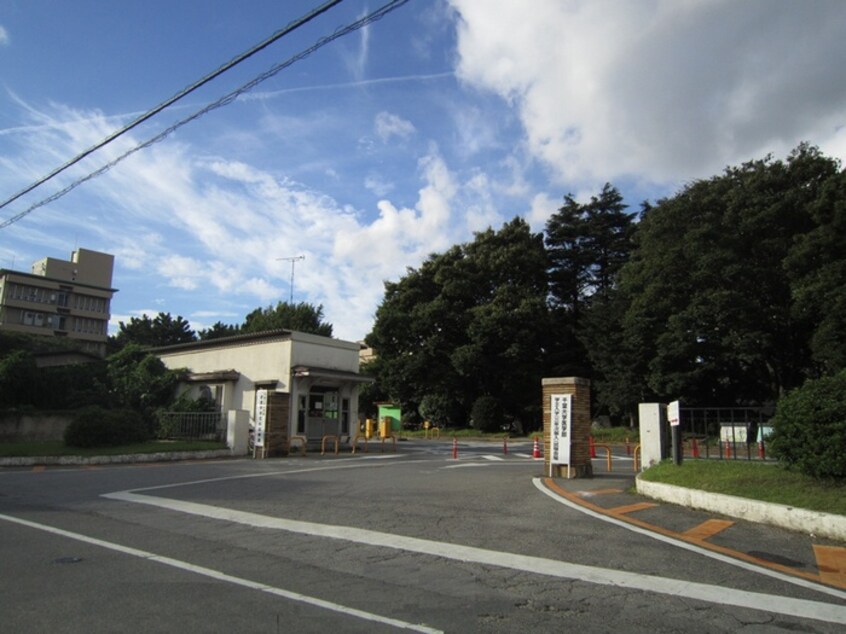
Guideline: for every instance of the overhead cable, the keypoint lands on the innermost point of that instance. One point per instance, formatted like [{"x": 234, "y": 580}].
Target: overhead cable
[
  {"x": 182, "y": 93},
  {"x": 378, "y": 14}
]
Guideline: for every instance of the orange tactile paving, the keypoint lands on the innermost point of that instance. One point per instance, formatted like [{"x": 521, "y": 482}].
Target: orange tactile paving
[
  {"x": 631, "y": 508},
  {"x": 831, "y": 561},
  {"x": 707, "y": 529}
]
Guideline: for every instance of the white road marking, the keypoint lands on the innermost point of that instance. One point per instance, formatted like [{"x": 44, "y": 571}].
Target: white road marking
[
  {"x": 788, "y": 606},
  {"x": 220, "y": 576},
  {"x": 688, "y": 546}
]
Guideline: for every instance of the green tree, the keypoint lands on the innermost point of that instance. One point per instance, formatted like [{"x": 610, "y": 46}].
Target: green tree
[
  {"x": 301, "y": 317},
  {"x": 18, "y": 378},
  {"x": 816, "y": 266},
  {"x": 162, "y": 330},
  {"x": 710, "y": 313},
  {"x": 218, "y": 330},
  {"x": 140, "y": 381},
  {"x": 587, "y": 246},
  {"x": 469, "y": 322},
  {"x": 809, "y": 428}
]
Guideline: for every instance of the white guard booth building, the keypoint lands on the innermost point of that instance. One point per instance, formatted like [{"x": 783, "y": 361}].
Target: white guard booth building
[{"x": 282, "y": 383}]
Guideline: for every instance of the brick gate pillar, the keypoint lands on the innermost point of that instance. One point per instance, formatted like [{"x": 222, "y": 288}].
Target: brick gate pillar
[
  {"x": 276, "y": 430},
  {"x": 579, "y": 388}
]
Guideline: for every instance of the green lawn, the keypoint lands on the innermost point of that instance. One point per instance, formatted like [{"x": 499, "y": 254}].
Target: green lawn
[
  {"x": 767, "y": 482},
  {"x": 58, "y": 448}
]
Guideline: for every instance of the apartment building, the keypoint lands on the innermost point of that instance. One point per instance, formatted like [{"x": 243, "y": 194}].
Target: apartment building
[{"x": 61, "y": 298}]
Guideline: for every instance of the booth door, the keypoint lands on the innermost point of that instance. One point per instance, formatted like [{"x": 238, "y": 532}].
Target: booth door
[{"x": 323, "y": 417}]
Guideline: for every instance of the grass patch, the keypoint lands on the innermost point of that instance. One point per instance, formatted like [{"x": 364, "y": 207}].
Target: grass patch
[
  {"x": 58, "y": 448},
  {"x": 766, "y": 482},
  {"x": 615, "y": 434}
]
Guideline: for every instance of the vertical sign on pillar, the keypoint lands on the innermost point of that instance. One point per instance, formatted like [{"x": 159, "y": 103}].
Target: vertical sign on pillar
[
  {"x": 674, "y": 417},
  {"x": 261, "y": 416},
  {"x": 562, "y": 427}
]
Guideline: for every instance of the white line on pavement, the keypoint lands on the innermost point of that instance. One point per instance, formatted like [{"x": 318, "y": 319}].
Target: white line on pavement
[
  {"x": 688, "y": 546},
  {"x": 789, "y": 606},
  {"x": 220, "y": 576}
]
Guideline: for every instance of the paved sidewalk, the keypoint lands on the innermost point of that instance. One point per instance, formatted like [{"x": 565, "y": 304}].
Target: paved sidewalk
[{"x": 797, "y": 554}]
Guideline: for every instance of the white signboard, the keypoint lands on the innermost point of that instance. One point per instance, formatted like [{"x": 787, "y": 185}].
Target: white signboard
[
  {"x": 562, "y": 427},
  {"x": 674, "y": 413},
  {"x": 261, "y": 416}
]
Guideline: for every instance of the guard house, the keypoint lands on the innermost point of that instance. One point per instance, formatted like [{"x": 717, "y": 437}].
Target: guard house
[{"x": 289, "y": 383}]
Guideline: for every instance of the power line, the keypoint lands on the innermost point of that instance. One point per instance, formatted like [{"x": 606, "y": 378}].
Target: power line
[
  {"x": 182, "y": 93},
  {"x": 228, "y": 98}
]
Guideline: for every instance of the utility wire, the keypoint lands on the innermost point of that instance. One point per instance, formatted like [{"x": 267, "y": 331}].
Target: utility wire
[
  {"x": 225, "y": 100},
  {"x": 182, "y": 93},
  {"x": 228, "y": 98}
]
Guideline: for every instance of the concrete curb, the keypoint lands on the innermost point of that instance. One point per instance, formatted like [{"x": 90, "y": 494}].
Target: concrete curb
[
  {"x": 163, "y": 456},
  {"x": 789, "y": 517}
]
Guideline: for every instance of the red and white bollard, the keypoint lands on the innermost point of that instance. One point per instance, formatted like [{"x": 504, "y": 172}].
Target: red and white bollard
[
  {"x": 454, "y": 448},
  {"x": 695, "y": 448},
  {"x": 592, "y": 447},
  {"x": 536, "y": 449},
  {"x": 505, "y": 446}
]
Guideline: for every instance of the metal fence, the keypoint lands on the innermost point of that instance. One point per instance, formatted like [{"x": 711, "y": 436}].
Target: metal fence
[
  {"x": 191, "y": 426},
  {"x": 736, "y": 433}
]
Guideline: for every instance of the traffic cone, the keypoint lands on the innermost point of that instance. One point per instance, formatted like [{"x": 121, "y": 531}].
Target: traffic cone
[
  {"x": 536, "y": 449},
  {"x": 454, "y": 448}
]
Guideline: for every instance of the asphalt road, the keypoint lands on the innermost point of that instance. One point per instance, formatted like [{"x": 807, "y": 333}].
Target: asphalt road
[{"x": 373, "y": 543}]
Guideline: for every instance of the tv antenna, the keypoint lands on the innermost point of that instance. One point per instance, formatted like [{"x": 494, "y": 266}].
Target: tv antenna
[{"x": 293, "y": 260}]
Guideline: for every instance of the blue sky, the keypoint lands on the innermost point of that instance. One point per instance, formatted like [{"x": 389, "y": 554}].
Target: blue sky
[{"x": 391, "y": 143}]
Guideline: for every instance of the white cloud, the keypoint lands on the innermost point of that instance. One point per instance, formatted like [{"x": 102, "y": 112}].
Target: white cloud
[
  {"x": 664, "y": 90},
  {"x": 378, "y": 185},
  {"x": 4, "y": 36},
  {"x": 542, "y": 207},
  {"x": 212, "y": 229},
  {"x": 389, "y": 125}
]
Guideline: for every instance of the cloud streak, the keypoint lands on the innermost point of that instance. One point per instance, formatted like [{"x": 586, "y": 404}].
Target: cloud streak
[{"x": 670, "y": 92}]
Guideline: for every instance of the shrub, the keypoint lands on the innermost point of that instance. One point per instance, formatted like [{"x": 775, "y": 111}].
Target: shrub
[
  {"x": 98, "y": 427},
  {"x": 809, "y": 428},
  {"x": 487, "y": 414}
]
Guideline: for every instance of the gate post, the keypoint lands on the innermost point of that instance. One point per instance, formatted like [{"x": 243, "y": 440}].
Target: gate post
[{"x": 579, "y": 450}]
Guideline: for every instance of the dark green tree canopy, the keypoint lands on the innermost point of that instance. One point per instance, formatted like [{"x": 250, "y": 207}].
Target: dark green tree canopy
[
  {"x": 712, "y": 315},
  {"x": 587, "y": 245},
  {"x": 467, "y": 323},
  {"x": 162, "y": 330},
  {"x": 219, "y": 330},
  {"x": 301, "y": 317}
]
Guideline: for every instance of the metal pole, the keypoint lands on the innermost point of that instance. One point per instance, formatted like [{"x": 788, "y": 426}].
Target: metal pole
[{"x": 293, "y": 261}]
